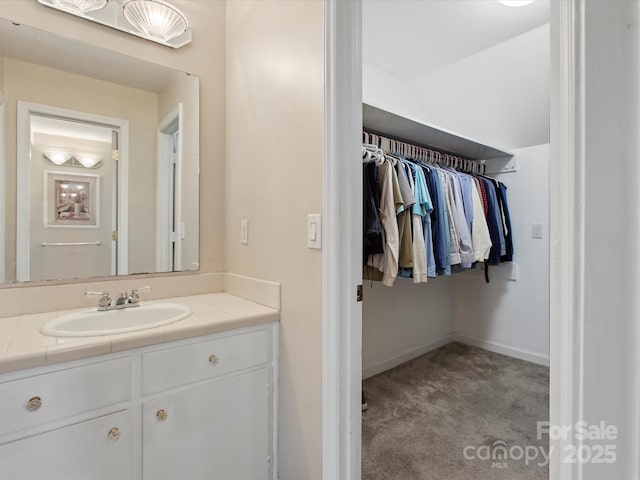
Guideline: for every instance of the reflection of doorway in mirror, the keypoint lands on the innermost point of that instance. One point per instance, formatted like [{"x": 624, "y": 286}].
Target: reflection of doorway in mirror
[
  {"x": 79, "y": 199},
  {"x": 169, "y": 222}
]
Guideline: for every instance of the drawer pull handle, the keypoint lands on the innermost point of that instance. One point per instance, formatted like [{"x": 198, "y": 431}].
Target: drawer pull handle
[
  {"x": 161, "y": 415},
  {"x": 213, "y": 359},
  {"x": 114, "y": 434},
  {"x": 34, "y": 404}
]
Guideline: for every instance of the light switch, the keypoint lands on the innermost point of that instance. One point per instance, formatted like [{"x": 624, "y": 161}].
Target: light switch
[
  {"x": 314, "y": 230},
  {"x": 536, "y": 230}
]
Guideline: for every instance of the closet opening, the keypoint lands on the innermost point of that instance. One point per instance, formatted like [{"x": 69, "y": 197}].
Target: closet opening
[{"x": 455, "y": 261}]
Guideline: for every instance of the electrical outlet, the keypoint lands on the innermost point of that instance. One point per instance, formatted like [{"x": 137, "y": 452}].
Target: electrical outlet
[{"x": 244, "y": 232}]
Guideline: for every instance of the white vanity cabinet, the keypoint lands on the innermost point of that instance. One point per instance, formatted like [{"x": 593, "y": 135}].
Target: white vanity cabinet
[
  {"x": 200, "y": 408},
  {"x": 47, "y": 415},
  {"x": 216, "y": 430},
  {"x": 98, "y": 449},
  {"x": 214, "y": 423}
]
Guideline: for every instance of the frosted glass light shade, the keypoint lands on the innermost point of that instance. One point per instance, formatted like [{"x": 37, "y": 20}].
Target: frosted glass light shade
[
  {"x": 88, "y": 161},
  {"x": 57, "y": 157},
  {"x": 516, "y": 3},
  {"x": 81, "y": 6},
  {"x": 155, "y": 19}
]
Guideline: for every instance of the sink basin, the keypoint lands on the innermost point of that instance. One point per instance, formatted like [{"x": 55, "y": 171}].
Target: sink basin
[{"x": 92, "y": 323}]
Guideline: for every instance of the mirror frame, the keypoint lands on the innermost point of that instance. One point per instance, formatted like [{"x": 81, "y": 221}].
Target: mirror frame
[{"x": 3, "y": 191}]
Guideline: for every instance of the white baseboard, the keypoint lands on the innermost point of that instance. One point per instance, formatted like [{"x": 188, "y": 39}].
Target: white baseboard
[
  {"x": 385, "y": 365},
  {"x": 503, "y": 349}
]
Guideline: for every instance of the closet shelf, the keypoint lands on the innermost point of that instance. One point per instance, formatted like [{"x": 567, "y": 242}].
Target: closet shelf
[{"x": 382, "y": 122}]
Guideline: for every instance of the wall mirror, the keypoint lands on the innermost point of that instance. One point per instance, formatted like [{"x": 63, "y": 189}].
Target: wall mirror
[{"x": 99, "y": 154}]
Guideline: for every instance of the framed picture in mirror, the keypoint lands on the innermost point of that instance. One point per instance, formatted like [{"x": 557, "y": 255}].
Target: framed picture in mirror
[{"x": 72, "y": 201}]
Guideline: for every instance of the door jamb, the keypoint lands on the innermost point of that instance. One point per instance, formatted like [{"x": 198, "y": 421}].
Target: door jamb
[
  {"x": 172, "y": 122},
  {"x": 342, "y": 251}
]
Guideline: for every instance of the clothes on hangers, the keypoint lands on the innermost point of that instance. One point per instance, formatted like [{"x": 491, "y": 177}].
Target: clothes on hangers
[{"x": 429, "y": 217}]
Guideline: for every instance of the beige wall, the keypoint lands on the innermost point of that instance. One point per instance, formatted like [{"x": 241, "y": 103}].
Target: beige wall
[
  {"x": 24, "y": 81},
  {"x": 184, "y": 88},
  {"x": 275, "y": 101},
  {"x": 204, "y": 57}
]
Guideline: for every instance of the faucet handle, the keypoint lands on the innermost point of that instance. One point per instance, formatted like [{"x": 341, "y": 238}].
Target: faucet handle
[
  {"x": 105, "y": 300},
  {"x": 135, "y": 293},
  {"x": 95, "y": 294}
]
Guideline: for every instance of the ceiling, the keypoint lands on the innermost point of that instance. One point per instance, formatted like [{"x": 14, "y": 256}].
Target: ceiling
[
  {"x": 407, "y": 38},
  {"x": 66, "y": 128}
]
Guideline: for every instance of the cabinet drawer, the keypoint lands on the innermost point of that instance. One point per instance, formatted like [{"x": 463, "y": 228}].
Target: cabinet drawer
[
  {"x": 199, "y": 361},
  {"x": 98, "y": 449},
  {"x": 32, "y": 401}
]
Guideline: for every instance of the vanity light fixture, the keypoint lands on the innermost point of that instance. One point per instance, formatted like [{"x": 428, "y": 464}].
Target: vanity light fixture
[
  {"x": 68, "y": 160},
  {"x": 154, "y": 20},
  {"x": 516, "y": 3}
]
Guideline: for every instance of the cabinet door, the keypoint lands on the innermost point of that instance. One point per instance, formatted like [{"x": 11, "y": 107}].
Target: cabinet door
[
  {"x": 217, "y": 431},
  {"x": 89, "y": 450}
]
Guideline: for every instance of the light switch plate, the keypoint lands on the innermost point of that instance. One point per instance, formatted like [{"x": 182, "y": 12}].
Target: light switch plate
[
  {"x": 537, "y": 230},
  {"x": 244, "y": 232},
  {"x": 314, "y": 230}
]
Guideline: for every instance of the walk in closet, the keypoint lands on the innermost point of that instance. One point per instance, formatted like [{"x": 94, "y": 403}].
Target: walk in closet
[{"x": 456, "y": 279}]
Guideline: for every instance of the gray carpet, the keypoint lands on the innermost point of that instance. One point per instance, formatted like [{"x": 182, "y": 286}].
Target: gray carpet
[{"x": 424, "y": 413}]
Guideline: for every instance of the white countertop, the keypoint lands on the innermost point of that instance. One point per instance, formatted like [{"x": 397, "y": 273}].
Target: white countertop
[{"x": 23, "y": 346}]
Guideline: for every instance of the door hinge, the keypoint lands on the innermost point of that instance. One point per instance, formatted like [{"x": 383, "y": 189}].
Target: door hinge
[
  {"x": 173, "y": 237},
  {"x": 359, "y": 293},
  {"x": 268, "y": 388},
  {"x": 114, "y": 235},
  {"x": 115, "y": 154}
]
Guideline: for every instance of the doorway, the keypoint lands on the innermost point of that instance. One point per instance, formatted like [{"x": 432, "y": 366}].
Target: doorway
[
  {"x": 421, "y": 342},
  {"x": 342, "y": 317},
  {"x": 170, "y": 228},
  {"x": 72, "y": 176}
]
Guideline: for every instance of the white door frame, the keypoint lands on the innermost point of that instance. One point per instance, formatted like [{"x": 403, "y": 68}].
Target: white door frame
[
  {"x": 166, "y": 205},
  {"x": 23, "y": 203},
  {"x": 342, "y": 318},
  {"x": 342, "y": 242},
  {"x": 566, "y": 228}
]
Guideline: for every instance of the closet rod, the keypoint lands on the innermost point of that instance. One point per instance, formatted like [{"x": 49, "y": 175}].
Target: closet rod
[{"x": 415, "y": 152}]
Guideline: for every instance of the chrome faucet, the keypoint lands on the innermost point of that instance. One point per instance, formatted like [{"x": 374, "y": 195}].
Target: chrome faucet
[{"x": 125, "y": 300}]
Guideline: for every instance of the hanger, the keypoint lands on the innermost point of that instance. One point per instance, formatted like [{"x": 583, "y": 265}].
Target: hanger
[{"x": 380, "y": 146}]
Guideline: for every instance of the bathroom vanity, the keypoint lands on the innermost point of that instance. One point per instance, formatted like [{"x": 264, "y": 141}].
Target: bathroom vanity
[{"x": 199, "y": 407}]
